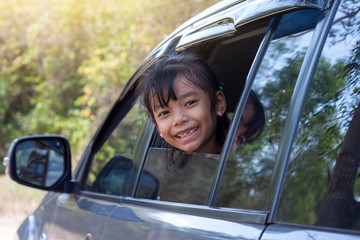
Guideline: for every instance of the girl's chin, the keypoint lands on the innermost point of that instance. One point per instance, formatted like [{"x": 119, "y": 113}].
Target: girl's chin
[
  {"x": 187, "y": 148},
  {"x": 194, "y": 147}
]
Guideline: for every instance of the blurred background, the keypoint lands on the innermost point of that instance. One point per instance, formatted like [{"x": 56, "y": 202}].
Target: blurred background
[{"x": 63, "y": 63}]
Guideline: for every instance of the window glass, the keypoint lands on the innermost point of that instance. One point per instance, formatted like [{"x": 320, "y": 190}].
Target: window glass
[
  {"x": 189, "y": 182},
  {"x": 322, "y": 185},
  {"x": 113, "y": 164},
  {"x": 249, "y": 167}
]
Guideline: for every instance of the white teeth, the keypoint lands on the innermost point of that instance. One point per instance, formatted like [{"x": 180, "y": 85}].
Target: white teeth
[{"x": 187, "y": 133}]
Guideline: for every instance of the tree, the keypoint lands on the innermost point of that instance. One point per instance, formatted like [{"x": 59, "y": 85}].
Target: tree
[{"x": 339, "y": 207}]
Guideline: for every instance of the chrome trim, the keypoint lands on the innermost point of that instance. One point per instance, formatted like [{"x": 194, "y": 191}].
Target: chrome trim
[
  {"x": 200, "y": 210},
  {"x": 238, "y": 13},
  {"x": 240, "y": 107},
  {"x": 222, "y": 28},
  {"x": 99, "y": 196},
  {"x": 296, "y": 105}
]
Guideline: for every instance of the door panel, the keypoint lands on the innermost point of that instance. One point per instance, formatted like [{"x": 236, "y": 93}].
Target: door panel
[
  {"x": 78, "y": 217},
  {"x": 137, "y": 222}
]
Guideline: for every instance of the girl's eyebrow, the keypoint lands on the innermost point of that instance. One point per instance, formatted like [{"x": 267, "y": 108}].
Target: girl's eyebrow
[
  {"x": 157, "y": 107},
  {"x": 188, "y": 94},
  {"x": 185, "y": 95}
]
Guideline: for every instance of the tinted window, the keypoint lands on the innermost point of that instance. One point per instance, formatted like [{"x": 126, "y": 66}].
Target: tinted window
[
  {"x": 247, "y": 175},
  {"x": 189, "y": 183},
  {"x": 322, "y": 184},
  {"x": 113, "y": 164}
]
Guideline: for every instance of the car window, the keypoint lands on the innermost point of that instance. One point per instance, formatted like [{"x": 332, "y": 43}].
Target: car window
[
  {"x": 322, "y": 185},
  {"x": 192, "y": 182},
  {"x": 247, "y": 175},
  {"x": 189, "y": 183},
  {"x": 113, "y": 164}
]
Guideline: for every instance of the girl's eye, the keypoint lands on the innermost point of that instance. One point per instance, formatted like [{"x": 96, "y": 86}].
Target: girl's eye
[
  {"x": 189, "y": 103},
  {"x": 163, "y": 113}
]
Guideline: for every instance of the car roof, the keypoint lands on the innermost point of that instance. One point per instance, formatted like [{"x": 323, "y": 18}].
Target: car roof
[{"x": 235, "y": 13}]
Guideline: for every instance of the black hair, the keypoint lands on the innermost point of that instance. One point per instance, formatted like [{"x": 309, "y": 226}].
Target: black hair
[
  {"x": 256, "y": 126},
  {"x": 158, "y": 83}
]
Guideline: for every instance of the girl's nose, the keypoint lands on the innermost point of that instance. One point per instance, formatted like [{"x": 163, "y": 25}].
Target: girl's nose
[{"x": 180, "y": 117}]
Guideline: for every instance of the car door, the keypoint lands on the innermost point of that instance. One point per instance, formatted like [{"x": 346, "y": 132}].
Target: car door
[{"x": 320, "y": 195}]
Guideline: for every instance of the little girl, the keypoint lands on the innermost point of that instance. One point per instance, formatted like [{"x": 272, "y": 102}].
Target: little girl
[{"x": 185, "y": 103}]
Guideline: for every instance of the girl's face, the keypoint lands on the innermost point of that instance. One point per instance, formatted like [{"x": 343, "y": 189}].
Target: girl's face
[{"x": 188, "y": 123}]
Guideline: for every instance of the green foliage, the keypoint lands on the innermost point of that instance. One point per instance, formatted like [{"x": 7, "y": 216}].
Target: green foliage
[{"x": 64, "y": 63}]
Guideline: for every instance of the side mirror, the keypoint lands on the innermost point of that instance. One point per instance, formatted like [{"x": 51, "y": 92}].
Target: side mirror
[
  {"x": 113, "y": 178},
  {"x": 42, "y": 162},
  {"x": 149, "y": 186}
]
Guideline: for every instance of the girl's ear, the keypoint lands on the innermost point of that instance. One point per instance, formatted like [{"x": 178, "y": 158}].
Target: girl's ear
[{"x": 220, "y": 106}]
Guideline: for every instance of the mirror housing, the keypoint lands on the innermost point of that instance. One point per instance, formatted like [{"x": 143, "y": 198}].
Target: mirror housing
[{"x": 42, "y": 162}]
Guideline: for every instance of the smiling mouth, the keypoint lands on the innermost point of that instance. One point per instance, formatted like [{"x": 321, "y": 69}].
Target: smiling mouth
[{"x": 182, "y": 135}]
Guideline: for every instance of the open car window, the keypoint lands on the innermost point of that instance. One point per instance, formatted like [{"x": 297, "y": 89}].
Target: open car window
[{"x": 192, "y": 182}]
